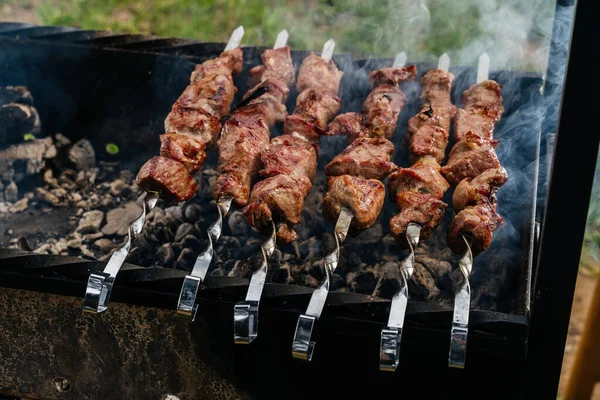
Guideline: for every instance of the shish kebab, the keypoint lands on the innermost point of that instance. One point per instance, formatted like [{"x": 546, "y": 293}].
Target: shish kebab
[
  {"x": 474, "y": 168},
  {"x": 191, "y": 127},
  {"x": 243, "y": 137},
  {"x": 289, "y": 166},
  {"x": 356, "y": 194},
  {"x": 417, "y": 191}
]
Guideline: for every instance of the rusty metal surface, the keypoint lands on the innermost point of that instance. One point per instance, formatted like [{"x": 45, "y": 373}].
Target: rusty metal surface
[{"x": 50, "y": 349}]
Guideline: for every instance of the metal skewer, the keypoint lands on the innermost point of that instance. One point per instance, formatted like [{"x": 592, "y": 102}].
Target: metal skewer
[
  {"x": 99, "y": 287},
  {"x": 462, "y": 299},
  {"x": 245, "y": 313},
  {"x": 391, "y": 335},
  {"x": 303, "y": 346},
  {"x": 186, "y": 305}
]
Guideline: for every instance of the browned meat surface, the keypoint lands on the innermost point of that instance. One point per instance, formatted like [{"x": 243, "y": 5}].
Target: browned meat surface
[
  {"x": 280, "y": 199},
  {"x": 470, "y": 157},
  {"x": 302, "y": 127},
  {"x": 428, "y": 141},
  {"x": 421, "y": 209},
  {"x": 422, "y": 177},
  {"x": 381, "y": 109},
  {"x": 485, "y": 95},
  {"x": 183, "y": 148},
  {"x": 368, "y": 158},
  {"x": 167, "y": 176},
  {"x": 392, "y": 76},
  {"x": 274, "y": 88},
  {"x": 364, "y": 197},
  {"x": 318, "y": 105},
  {"x": 477, "y": 224},
  {"x": 276, "y": 64},
  {"x": 212, "y": 94},
  {"x": 290, "y": 156},
  {"x": 480, "y": 190},
  {"x": 197, "y": 124},
  {"x": 349, "y": 124},
  {"x": 431, "y": 116},
  {"x": 244, "y": 137},
  {"x": 475, "y": 121},
  {"x": 229, "y": 62},
  {"x": 318, "y": 73},
  {"x": 435, "y": 88}
]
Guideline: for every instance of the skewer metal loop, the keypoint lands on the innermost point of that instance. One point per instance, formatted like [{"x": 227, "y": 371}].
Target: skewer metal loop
[
  {"x": 460, "y": 319},
  {"x": 186, "y": 305},
  {"x": 391, "y": 335},
  {"x": 100, "y": 284},
  {"x": 303, "y": 346},
  {"x": 245, "y": 313}
]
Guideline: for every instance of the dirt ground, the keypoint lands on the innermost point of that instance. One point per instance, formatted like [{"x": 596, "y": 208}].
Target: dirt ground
[{"x": 581, "y": 302}]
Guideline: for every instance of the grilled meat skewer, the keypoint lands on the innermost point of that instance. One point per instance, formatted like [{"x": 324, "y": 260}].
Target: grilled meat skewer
[{"x": 244, "y": 135}]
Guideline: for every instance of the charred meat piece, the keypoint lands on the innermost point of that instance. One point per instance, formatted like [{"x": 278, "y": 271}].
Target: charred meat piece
[
  {"x": 428, "y": 141},
  {"x": 183, "y": 148},
  {"x": 161, "y": 174},
  {"x": 476, "y": 121},
  {"x": 435, "y": 88},
  {"x": 392, "y": 76},
  {"x": 276, "y": 64},
  {"x": 197, "y": 124},
  {"x": 271, "y": 87},
  {"x": 479, "y": 190},
  {"x": 212, "y": 94},
  {"x": 277, "y": 199},
  {"x": 315, "y": 73},
  {"x": 351, "y": 125},
  {"x": 470, "y": 157},
  {"x": 364, "y": 197},
  {"x": 368, "y": 158},
  {"x": 431, "y": 116},
  {"x": 317, "y": 105},
  {"x": 485, "y": 95},
  {"x": 291, "y": 156},
  {"x": 381, "y": 109},
  {"x": 477, "y": 225},
  {"x": 422, "y": 177},
  {"x": 229, "y": 62},
  {"x": 417, "y": 208},
  {"x": 244, "y": 137}
]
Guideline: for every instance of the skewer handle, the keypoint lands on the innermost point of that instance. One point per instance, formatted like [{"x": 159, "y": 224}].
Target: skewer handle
[
  {"x": 303, "y": 345},
  {"x": 391, "y": 335},
  {"x": 282, "y": 39},
  {"x": 245, "y": 313},
  {"x": 444, "y": 62},
  {"x": 460, "y": 319},
  {"x": 400, "y": 60},
  {"x": 483, "y": 68},
  {"x": 100, "y": 284}
]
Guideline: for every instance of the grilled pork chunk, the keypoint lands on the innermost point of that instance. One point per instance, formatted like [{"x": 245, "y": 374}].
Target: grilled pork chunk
[
  {"x": 476, "y": 224},
  {"x": 368, "y": 158},
  {"x": 161, "y": 174},
  {"x": 479, "y": 190},
  {"x": 276, "y": 64},
  {"x": 470, "y": 157}
]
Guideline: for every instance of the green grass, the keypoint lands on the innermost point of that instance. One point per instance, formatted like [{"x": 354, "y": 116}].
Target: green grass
[{"x": 508, "y": 30}]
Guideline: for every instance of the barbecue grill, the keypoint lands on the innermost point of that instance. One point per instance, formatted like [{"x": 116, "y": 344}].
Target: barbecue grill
[{"x": 114, "y": 88}]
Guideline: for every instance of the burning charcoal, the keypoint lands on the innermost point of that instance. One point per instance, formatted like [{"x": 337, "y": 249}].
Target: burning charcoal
[
  {"x": 61, "y": 141},
  {"x": 82, "y": 155},
  {"x": 165, "y": 255},
  {"x": 74, "y": 243},
  {"x": 17, "y": 120},
  {"x": 119, "y": 188},
  {"x": 175, "y": 212},
  {"x": 186, "y": 260},
  {"x": 183, "y": 230},
  {"x": 117, "y": 220},
  {"x": 310, "y": 248},
  {"x": 364, "y": 282},
  {"x": 22, "y": 244},
  {"x": 24, "y": 159},
  {"x": 275, "y": 260},
  {"x": 104, "y": 245},
  {"x": 126, "y": 176},
  {"x": 90, "y": 222},
  {"x": 337, "y": 282},
  {"x": 11, "y": 193},
  {"x": 19, "y": 206},
  {"x": 238, "y": 224},
  {"x": 370, "y": 236},
  {"x": 190, "y": 242},
  {"x": 283, "y": 274},
  {"x": 192, "y": 212},
  {"x": 46, "y": 196},
  {"x": 422, "y": 284},
  {"x": 15, "y": 94}
]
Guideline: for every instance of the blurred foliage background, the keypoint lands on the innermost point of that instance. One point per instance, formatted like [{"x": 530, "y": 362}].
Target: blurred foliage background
[{"x": 515, "y": 33}]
